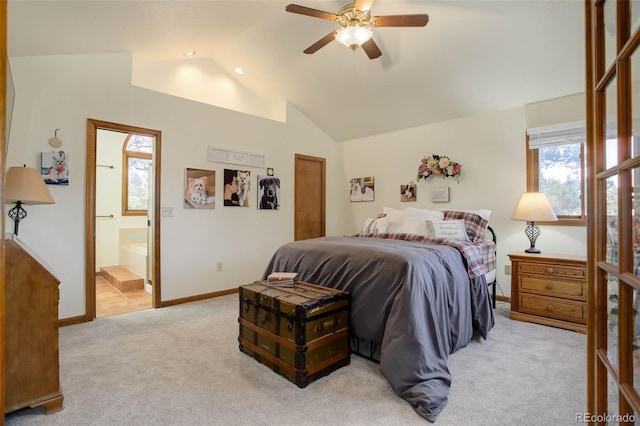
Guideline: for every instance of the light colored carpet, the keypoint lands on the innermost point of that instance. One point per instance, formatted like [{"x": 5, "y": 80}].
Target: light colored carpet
[{"x": 181, "y": 366}]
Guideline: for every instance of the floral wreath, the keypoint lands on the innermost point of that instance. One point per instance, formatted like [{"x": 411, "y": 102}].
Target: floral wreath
[{"x": 438, "y": 165}]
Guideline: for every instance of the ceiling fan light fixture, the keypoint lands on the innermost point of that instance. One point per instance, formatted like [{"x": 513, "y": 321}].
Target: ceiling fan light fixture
[{"x": 353, "y": 36}]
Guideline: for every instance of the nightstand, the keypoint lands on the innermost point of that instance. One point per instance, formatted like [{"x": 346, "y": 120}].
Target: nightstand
[{"x": 549, "y": 289}]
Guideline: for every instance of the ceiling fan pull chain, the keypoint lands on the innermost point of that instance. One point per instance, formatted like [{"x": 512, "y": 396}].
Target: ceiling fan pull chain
[{"x": 354, "y": 63}]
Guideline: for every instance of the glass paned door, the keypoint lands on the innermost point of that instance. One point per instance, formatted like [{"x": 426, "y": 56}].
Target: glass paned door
[{"x": 613, "y": 112}]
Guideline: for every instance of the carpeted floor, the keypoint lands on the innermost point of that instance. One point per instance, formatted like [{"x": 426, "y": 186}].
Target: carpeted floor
[{"x": 181, "y": 366}]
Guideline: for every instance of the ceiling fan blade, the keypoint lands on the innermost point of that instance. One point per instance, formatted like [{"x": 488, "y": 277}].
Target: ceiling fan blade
[
  {"x": 401, "y": 21},
  {"x": 302, "y": 10},
  {"x": 363, "y": 5},
  {"x": 321, "y": 43},
  {"x": 371, "y": 49}
]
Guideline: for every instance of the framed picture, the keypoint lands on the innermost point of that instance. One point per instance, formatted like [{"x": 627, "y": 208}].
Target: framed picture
[
  {"x": 440, "y": 194},
  {"x": 55, "y": 167},
  {"x": 236, "y": 187},
  {"x": 362, "y": 189},
  {"x": 268, "y": 193},
  {"x": 408, "y": 192},
  {"x": 200, "y": 189}
]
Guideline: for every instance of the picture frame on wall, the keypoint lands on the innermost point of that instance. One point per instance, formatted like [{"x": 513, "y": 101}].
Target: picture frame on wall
[
  {"x": 362, "y": 189},
  {"x": 200, "y": 189},
  {"x": 55, "y": 167},
  {"x": 236, "y": 187},
  {"x": 440, "y": 194},
  {"x": 408, "y": 192},
  {"x": 268, "y": 192}
]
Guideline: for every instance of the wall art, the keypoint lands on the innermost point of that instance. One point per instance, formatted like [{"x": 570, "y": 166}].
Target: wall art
[
  {"x": 440, "y": 194},
  {"x": 362, "y": 189},
  {"x": 200, "y": 189},
  {"x": 408, "y": 192},
  {"x": 268, "y": 192},
  {"x": 55, "y": 167},
  {"x": 236, "y": 187}
]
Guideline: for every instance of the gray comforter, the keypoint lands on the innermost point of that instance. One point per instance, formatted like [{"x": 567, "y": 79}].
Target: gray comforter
[{"x": 415, "y": 299}]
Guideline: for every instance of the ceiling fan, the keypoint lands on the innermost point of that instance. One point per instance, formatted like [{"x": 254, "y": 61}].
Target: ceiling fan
[{"x": 355, "y": 25}]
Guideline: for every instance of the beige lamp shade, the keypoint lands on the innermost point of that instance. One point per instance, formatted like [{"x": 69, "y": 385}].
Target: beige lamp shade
[
  {"x": 534, "y": 207},
  {"x": 26, "y": 185}
]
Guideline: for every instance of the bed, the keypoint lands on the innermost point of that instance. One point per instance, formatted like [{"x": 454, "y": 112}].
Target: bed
[{"x": 416, "y": 296}]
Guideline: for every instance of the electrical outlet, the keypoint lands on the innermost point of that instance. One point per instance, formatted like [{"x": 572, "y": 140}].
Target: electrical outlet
[
  {"x": 507, "y": 269},
  {"x": 167, "y": 211},
  {"x": 219, "y": 266}
]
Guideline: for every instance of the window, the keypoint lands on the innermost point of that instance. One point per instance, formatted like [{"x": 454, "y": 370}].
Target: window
[
  {"x": 556, "y": 166},
  {"x": 136, "y": 158}
]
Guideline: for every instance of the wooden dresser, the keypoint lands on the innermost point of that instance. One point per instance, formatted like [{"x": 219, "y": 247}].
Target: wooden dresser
[
  {"x": 32, "y": 369},
  {"x": 549, "y": 289}
]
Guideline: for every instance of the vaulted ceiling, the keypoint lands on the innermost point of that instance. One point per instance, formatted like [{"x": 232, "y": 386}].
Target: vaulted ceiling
[{"x": 474, "y": 56}]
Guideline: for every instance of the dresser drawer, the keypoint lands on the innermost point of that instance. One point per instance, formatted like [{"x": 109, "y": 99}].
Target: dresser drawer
[
  {"x": 553, "y": 287},
  {"x": 552, "y": 270},
  {"x": 550, "y": 307}
]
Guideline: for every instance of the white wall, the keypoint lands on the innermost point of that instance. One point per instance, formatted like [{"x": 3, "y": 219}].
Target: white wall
[
  {"x": 491, "y": 149},
  {"x": 199, "y": 80},
  {"x": 61, "y": 92}
]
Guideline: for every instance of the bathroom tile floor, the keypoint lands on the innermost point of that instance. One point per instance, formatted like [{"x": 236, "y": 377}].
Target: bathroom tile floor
[{"x": 111, "y": 301}]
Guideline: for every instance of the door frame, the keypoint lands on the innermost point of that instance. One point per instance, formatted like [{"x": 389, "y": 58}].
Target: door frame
[{"x": 90, "y": 207}]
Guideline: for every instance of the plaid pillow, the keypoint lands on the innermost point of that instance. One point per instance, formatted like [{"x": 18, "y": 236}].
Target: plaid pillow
[{"x": 475, "y": 225}]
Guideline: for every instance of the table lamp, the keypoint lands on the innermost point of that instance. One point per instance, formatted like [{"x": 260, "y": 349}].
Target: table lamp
[
  {"x": 24, "y": 185},
  {"x": 534, "y": 207}
]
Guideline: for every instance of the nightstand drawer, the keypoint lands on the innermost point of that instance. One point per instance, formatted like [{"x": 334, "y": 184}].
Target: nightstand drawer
[
  {"x": 551, "y": 269},
  {"x": 552, "y": 287},
  {"x": 549, "y": 307}
]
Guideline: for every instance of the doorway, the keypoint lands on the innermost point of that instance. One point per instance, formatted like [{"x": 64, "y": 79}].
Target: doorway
[{"x": 122, "y": 240}]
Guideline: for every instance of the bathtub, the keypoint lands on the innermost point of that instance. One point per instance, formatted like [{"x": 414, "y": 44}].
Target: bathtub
[{"x": 133, "y": 251}]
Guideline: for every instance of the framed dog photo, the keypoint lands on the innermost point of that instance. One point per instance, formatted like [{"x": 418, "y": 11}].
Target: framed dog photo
[
  {"x": 55, "y": 167},
  {"x": 362, "y": 189},
  {"x": 236, "y": 186},
  {"x": 200, "y": 189},
  {"x": 268, "y": 192},
  {"x": 408, "y": 192}
]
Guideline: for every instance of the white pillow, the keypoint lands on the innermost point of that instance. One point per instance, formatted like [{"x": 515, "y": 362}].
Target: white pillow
[
  {"x": 396, "y": 218},
  {"x": 414, "y": 220},
  {"x": 451, "y": 229},
  {"x": 378, "y": 225}
]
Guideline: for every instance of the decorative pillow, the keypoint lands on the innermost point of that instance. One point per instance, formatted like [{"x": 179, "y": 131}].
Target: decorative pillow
[
  {"x": 379, "y": 225},
  {"x": 396, "y": 217},
  {"x": 484, "y": 213},
  {"x": 475, "y": 224},
  {"x": 414, "y": 220},
  {"x": 451, "y": 229}
]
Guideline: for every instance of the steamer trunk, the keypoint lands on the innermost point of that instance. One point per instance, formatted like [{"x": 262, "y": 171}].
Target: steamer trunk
[{"x": 300, "y": 332}]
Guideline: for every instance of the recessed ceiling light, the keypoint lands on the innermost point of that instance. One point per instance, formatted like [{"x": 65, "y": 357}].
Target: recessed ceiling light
[
  {"x": 238, "y": 70},
  {"x": 189, "y": 53}
]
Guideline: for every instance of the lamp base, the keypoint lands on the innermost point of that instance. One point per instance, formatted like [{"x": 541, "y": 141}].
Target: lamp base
[
  {"x": 532, "y": 232},
  {"x": 17, "y": 214}
]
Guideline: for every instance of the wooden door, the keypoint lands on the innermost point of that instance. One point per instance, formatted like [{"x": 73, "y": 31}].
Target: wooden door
[
  {"x": 613, "y": 149},
  {"x": 3, "y": 144},
  {"x": 309, "y": 193}
]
